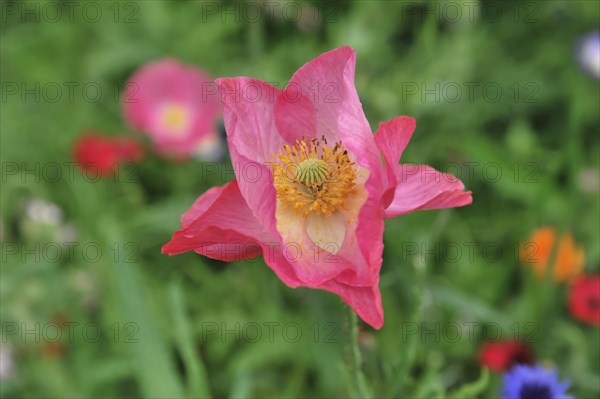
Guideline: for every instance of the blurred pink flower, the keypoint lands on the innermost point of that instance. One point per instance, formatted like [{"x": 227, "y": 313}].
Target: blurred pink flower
[
  {"x": 175, "y": 104},
  {"x": 311, "y": 192}
]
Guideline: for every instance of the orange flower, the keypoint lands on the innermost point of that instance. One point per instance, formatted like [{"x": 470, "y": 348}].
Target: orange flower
[{"x": 538, "y": 250}]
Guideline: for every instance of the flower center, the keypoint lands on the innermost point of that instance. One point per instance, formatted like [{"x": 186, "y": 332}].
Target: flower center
[
  {"x": 175, "y": 118},
  {"x": 535, "y": 391},
  {"x": 312, "y": 171},
  {"x": 593, "y": 303},
  {"x": 314, "y": 177}
]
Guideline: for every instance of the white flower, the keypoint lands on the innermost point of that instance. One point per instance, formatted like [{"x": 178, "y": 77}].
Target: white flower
[
  {"x": 588, "y": 54},
  {"x": 44, "y": 212},
  {"x": 6, "y": 362}
]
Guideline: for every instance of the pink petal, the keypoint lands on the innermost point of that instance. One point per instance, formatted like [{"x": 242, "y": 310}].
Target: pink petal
[
  {"x": 312, "y": 265},
  {"x": 201, "y": 204},
  {"x": 211, "y": 213},
  {"x": 295, "y": 115},
  {"x": 365, "y": 301},
  {"x": 249, "y": 117},
  {"x": 328, "y": 82},
  {"x": 253, "y": 140},
  {"x": 369, "y": 232},
  {"x": 221, "y": 226},
  {"x": 392, "y": 138},
  {"x": 421, "y": 187}
]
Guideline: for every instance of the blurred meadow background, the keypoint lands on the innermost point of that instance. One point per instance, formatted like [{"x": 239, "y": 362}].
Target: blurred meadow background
[{"x": 503, "y": 98}]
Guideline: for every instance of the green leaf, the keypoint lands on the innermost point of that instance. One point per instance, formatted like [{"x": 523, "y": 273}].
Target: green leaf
[
  {"x": 198, "y": 386},
  {"x": 474, "y": 388},
  {"x": 155, "y": 369}
]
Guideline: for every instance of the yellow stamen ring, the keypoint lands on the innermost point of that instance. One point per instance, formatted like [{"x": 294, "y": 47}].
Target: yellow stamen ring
[{"x": 313, "y": 177}]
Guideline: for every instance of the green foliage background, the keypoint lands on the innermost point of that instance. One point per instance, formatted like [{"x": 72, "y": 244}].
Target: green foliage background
[{"x": 540, "y": 135}]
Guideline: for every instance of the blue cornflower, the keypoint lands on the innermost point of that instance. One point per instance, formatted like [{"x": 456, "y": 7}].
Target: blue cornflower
[{"x": 533, "y": 382}]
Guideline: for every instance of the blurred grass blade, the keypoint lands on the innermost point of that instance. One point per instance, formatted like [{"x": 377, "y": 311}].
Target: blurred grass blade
[
  {"x": 196, "y": 374},
  {"x": 475, "y": 388},
  {"x": 153, "y": 364},
  {"x": 454, "y": 299}
]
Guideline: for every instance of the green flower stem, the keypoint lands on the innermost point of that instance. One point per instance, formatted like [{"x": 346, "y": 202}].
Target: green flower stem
[{"x": 356, "y": 358}]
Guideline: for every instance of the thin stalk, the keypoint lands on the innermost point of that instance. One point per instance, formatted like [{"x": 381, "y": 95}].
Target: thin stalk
[{"x": 356, "y": 358}]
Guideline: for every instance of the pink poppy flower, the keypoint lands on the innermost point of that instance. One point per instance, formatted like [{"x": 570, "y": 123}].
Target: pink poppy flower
[
  {"x": 176, "y": 105},
  {"x": 311, "y": 192}
]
